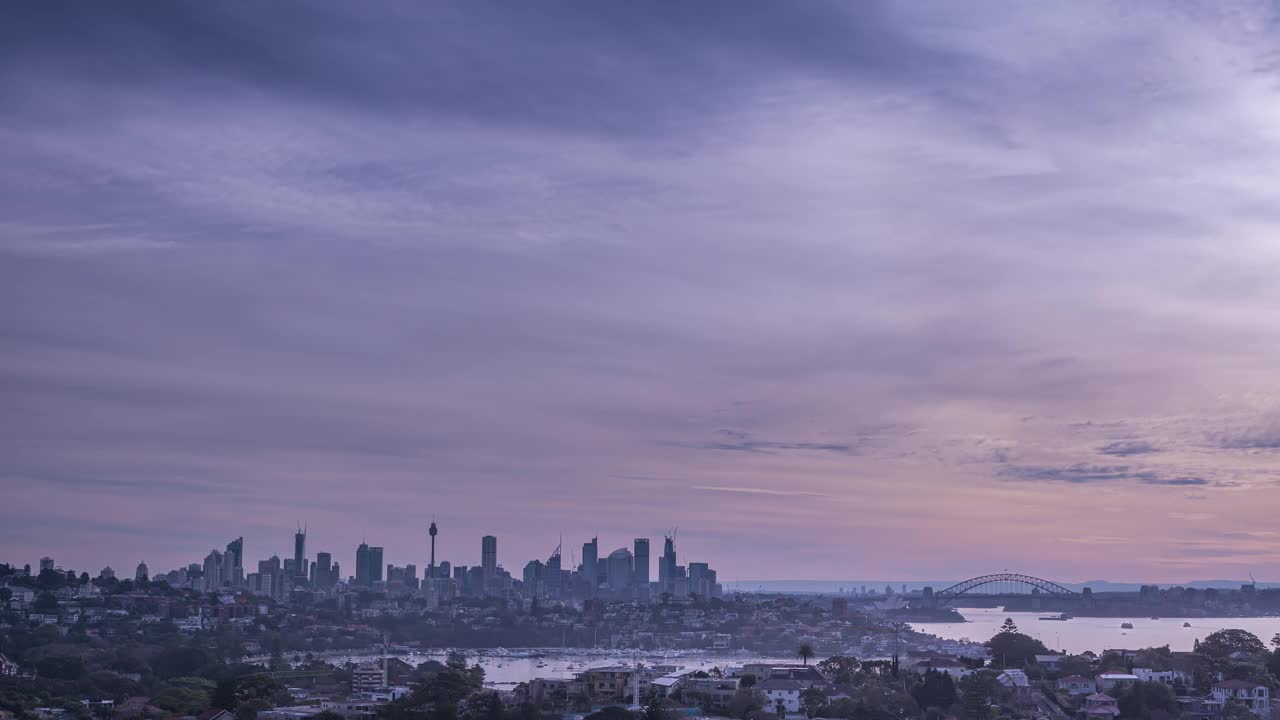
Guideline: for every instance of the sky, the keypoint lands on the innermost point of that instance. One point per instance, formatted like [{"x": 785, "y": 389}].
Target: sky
[{"x": 839, "y": 289}]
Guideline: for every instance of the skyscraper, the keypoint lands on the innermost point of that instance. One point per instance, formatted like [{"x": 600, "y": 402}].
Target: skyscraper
[
  {"x": 323, "y": 576},
  {"x": 141, "y": 574},
  {"x": 619, "y": 570},
  {"x": 667, "y": 565},
  {"x": 363, "y": 574},
  {"x": 375, "y": 564},
  {"x": 300, "y": 554},
  {"x": 213, "y": 570},
  {"x": 234, "y": 560},
  {"x": 590, "y": 566},
  {"x": 640, "y": 568},
  {"x": 488, "y": 559}
]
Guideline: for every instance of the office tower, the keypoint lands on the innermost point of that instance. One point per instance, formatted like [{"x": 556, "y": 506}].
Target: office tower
[
  {"x": 46, "y": 563},
  {"x": 375, "y": 564},
  {"x": 323, "y": 577},
  {"x": 551, "y": 575},
  {"x": 234, "y": 560},
  {"x": 488, "y": 560},
  {"x": 141, "y": 574},
  {"x": 431, "y": 568},
  {"x": 641, "y": 567},
  {"x": 445, "y": 570},
  {"x": 618, "y": 569},
  {"x": 590, "y": 560},
  {"x": 213, "y": 567},
  {"x": 698, "y": 578},
  {"x": 534, "y": 574},
  {"x": 667, "y": 565},
  {"x": 364, "y": 577},
  {"x": 411, "y": 576},
  {"x": 300, "y": 554}
]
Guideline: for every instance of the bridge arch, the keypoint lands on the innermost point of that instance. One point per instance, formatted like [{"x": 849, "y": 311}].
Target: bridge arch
[{"x": 1004, "y": 582}]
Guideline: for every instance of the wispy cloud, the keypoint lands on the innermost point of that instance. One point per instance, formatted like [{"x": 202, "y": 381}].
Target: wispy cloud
[{"x": 758, "y": 491}]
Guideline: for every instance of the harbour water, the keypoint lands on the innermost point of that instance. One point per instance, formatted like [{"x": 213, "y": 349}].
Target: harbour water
[
  {"x": 1094, "y": 633},
  {"x": 507, "y": 670}
]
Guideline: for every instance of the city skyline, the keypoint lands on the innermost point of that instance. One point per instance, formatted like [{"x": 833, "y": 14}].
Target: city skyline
[{"x": 859, "y": 289}]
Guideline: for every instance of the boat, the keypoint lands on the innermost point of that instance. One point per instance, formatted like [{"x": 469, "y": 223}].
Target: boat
[
  {"x": 1126, "y": 626},
  {"x": 1061, "y": 616},
  {"x": 1186, "y": 624},
  {"x": 1153, "y": 617}
]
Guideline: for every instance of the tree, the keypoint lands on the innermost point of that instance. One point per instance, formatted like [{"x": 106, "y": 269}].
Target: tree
[
  {"x": 1235, "y": 709},
  {"x": 657, "y": 708},
  {"x": 60, "y": 667},
  {"x": 805, "y": 653},
  {"x": 935, "y": 690},
  {"x": 1275, "y": 641},
  {"x": 811, "y": 700},
  {"x": 1139, "y": 700},
  {"x": 612, "y": 712},
  {"x": 1225, "y": 643},
  {"x": 839, "y": 669},
  {"x": 1014, "y": 649},
  {"x": 745, "y": 702},
  {"x": 977, "y": 696},
  {"x": 1008, "y": 626}
]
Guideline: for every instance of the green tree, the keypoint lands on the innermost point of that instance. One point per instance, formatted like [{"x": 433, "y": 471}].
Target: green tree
[
  {"x": 805, "y": 652},
  {"x": 812, "y": 700},
  {"x": 977, "y": 691},
  {"x": 1235, "y": 709},
  {"x": 935, "y": 690},
  {"x": 611, "y": 712},
  {"x": 1014, "y": 649},
  {"x": 1008, "y": 626},
  {"x": 657, "y": 708},
  {"x": 1224, "y": 643},
  {"x": 1139, "y": 700},
  {"x": 745, "y": 702},
  {"x": 839, "y": 669}
]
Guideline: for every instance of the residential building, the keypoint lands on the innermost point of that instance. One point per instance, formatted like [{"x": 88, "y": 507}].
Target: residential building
[
  {"x": 786, "y": 692},
  {"x": 1109, "y": 681},
  {"x": 1255, "y": 696},
  {"x": 1100, "y": 706},
  {"x": 1077, "y": 685}
]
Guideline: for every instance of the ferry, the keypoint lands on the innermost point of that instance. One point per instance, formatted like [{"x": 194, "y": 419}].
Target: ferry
[{"x": 1126, "y": 626}]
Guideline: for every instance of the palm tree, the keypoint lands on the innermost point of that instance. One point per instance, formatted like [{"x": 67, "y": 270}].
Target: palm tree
[{"x": 805, "y": 653}]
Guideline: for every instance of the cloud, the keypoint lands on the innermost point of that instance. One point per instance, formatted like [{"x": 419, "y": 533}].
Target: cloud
[
  {"x": 1085, "y": 473},
  {"x": 758, "y": 491},
  {"x": 1127, "y": 447},
  {"x": 1265, "y": 435}
]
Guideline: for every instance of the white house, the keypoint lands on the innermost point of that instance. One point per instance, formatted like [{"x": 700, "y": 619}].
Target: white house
[
  {"x": 1077, "y": 685},
  {"x": 1166, "y": 677},
  {"x": 786, "y": 691},
  {"x": 1109, "y": 681},
  {"x": 1256, "y": 697}
]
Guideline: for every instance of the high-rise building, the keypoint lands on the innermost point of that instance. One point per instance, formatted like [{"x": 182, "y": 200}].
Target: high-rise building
[
  {"x": 233, "y": 562},
  {"x": 551, "y": 576},
  {"x": 323, "y": 576},
  {"x": 300, "y": 555},
  {"x": 375, "y": 564},
  {"x": 364, "y": 576},
  {"x": 590, "y": 571},
  {"x": 488, "y": 560},
  {"x": 640, "y": 567},
  {"x": 141, "y": 574},
  {"x": 46, "y": 563},
  {"x": 213, "y": 571},
  {"x": 667, "y": 565},
  {"x": 699, "y": 577},
  {"x": 618, "y": 571}
]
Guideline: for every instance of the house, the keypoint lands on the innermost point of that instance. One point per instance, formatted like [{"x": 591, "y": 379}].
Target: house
[
  {"x": 215, "y": 714},
  {"x": 1110, "y": 680},
  {"x": 1013, "y": 686},
  {"x": 1256, "y": 697},
  {"x": 606, "y": 684},
  {"x": 711, "y": 693},
  {"x": 1166, "y": 677},
  {"x": 784, "y": 691},
  {"x": 8, "y": 668},
  {"x": 946, "y": 666},
  {"x": 1099, "y": 706},
  {"x": 668, "y": 684},
  {"x": 1052, "y": 663},
  {"x": 136, "y": 707},
  {"x": 1074, "y": 685}
]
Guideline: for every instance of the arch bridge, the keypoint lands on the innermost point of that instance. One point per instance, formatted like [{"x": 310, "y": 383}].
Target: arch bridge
[{"x": 1001, "y": 585}]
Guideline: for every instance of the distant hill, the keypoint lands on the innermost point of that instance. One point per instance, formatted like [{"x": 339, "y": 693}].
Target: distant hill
[{"x": 829, "y": 587}]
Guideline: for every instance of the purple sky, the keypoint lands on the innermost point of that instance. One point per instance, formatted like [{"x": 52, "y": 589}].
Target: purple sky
[{"x": 844, "y": 290}]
